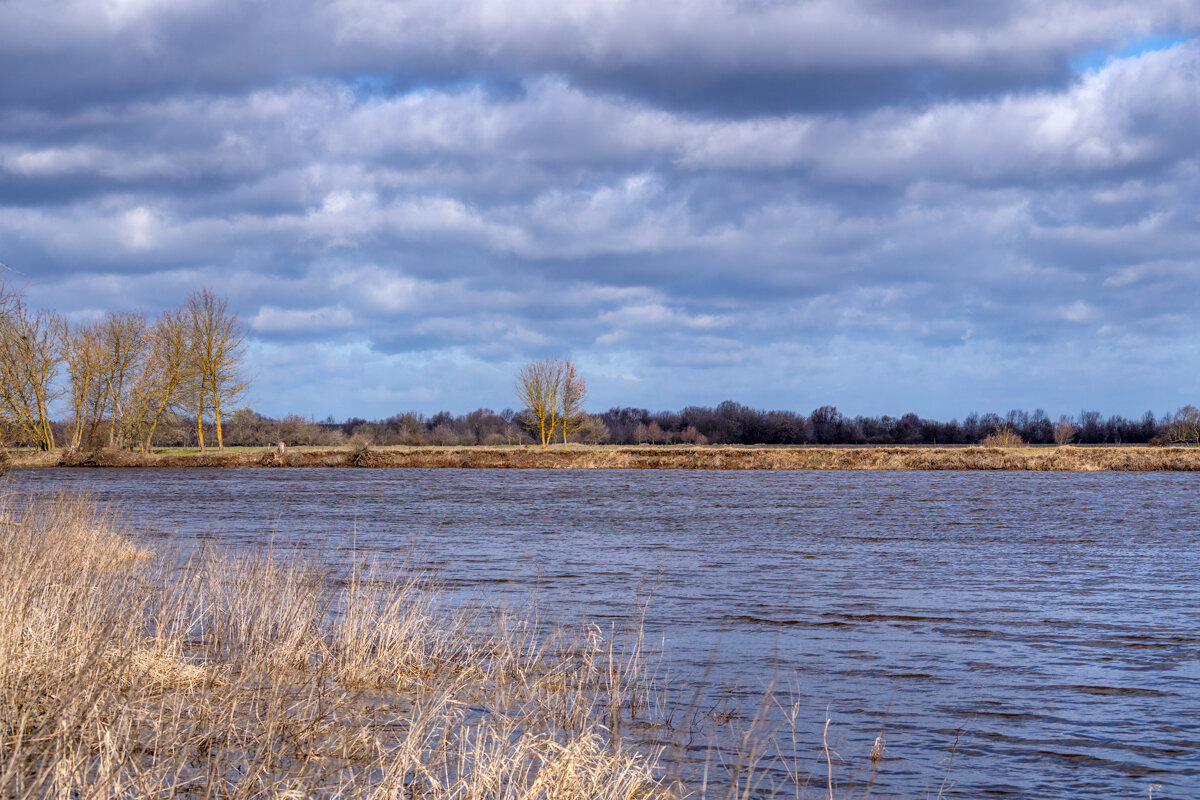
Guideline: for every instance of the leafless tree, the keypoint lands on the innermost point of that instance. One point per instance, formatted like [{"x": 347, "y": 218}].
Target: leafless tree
[
  {"x": 217, "y": 343},
  {"x": 539, "y": 388},
  {"x": 166, "y": 376},
  {"x": 80, "y": 349},
  {"x": 1064, "y": 431},
  {"x": 1184, "y": 428},
  {"x": 571, "y": 396},
  {"x": 1003, "y": 436},
  {"x": 28, "y": 365},
  {"x": 124, "y": 341}
]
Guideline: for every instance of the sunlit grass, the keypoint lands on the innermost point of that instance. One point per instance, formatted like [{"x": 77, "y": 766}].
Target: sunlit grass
[
  {"x": 1002, "y": 455},
  {"x": 126, "y": 673}
]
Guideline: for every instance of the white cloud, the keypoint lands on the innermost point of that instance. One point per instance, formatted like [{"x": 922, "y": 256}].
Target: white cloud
[{"x": 271, "y": 319}]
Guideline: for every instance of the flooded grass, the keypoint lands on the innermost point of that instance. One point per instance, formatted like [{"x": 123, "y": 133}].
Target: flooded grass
[{"x": 130, "y": 674}]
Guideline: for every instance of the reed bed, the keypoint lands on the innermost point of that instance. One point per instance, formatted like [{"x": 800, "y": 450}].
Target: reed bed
[{"x": 132, "y": 673}]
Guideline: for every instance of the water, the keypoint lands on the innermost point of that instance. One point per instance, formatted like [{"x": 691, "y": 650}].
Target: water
[{"x": 1047, "y": 622}]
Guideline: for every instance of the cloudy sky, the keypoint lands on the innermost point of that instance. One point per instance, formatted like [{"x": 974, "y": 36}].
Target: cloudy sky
[{"x": 935, "y": 206}]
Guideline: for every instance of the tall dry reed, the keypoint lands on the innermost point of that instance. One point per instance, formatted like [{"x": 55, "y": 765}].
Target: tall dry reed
[{"x": 130, "y": 674}]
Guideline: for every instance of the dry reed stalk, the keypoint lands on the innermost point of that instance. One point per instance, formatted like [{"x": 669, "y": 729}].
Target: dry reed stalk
[{"x": 257, "y": 676}]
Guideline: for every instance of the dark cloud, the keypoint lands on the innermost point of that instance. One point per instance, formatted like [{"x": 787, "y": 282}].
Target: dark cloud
[{"x": 709, "y": 55}]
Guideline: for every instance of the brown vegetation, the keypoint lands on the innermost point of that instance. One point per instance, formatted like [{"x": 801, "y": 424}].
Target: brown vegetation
[
  {"x": 1070, "y": 459},
  {"x": 126, "y": 674},
  {"x": 1003, "y": 436}
]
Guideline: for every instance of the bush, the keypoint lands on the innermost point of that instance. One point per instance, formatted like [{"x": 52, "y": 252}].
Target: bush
[
  {"x": 103, "y": 457},
  {"x": 1003, "y": 437}
]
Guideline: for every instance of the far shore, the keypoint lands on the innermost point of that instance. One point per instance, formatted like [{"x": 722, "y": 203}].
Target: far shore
[{"x": 1119, "y": 458}]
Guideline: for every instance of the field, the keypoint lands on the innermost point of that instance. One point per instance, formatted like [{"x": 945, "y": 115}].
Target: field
[{"x": 1066, "y": 458}]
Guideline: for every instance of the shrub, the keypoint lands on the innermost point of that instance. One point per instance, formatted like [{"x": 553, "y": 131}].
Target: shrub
[
  {"x": 1003, "y": 436},
  {"x": 103, "y": 457}
]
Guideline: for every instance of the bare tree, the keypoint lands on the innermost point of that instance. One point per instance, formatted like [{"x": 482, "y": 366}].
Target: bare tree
[
  {"x": 539, "y": 388},
  {"x": 217, "y": 344},
  {"x": 105, "y": 363},
  {"x": 124, "y": 346},
  {"x": 592, "y": 430},
  {"x": 28, "y": 364},
  {"x": 80, "y": 349},
  {"x": 1064, "y": 431},
  {"x": 572, "y": 393},
  {"x": 1002, "y": 436},
  {"x": 1184, "y": 428},
  {"x": 168, "y": 372}
]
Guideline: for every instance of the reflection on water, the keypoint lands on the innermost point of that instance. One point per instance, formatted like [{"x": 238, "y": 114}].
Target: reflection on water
[{"x": 1051, "y": 618}]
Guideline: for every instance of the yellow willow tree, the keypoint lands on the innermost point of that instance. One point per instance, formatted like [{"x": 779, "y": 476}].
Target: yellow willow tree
[
  {"x": 28, "y": 364},
  {"x": 539, "y": 388},
  {"x": 80, "y": 349},
  {"x": 124, "y": 342},
  {"x": 168, "y": 372},
  {"x": 572, "y": 393},
  {"x": 217, "y": 345}
]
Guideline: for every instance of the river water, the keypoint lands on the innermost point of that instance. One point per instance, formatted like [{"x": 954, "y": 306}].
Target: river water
[{"x": 1011, "y": 634}]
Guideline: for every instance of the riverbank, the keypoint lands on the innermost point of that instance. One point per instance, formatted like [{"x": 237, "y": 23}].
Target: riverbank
[{"x": 718, "y": 457}]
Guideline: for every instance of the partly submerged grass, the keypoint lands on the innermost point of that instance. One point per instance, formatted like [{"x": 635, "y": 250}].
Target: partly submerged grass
[{"x": 204, "y": 675}]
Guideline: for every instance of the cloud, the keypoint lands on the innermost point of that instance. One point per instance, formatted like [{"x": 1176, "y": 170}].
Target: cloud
[
  {"x": 750, "y": 199},
  {"x": 270, "y": 319},
  {"x": 739, "y": 56}
]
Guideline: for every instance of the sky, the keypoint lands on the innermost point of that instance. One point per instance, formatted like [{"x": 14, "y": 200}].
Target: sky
[{"x": 933, "y": 206}]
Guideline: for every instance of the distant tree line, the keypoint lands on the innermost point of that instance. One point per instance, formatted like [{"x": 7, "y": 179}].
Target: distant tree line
[
  {"x": 733, "y": 423},
  {"x": 727, "y": 423}
]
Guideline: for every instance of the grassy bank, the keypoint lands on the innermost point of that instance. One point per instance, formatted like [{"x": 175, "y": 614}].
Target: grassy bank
[
  {"x": 131, "y": 673},
  {"x": 1078, "y": 459}
]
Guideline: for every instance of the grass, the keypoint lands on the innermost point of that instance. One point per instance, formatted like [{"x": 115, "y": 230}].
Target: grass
[
  {"x": 126, "y": 673},
  {"x": 1008, "y": 456}
]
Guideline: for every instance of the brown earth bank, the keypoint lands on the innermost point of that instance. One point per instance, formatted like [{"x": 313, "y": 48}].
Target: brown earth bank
[{"x": 1078, "y": 459}]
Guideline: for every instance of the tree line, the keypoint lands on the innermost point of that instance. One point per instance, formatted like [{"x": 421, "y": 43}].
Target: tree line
[
  {"x": 125, "y": 379},
  {"x": 727, "y": 423},
  {"x": 734, "y": 423}
]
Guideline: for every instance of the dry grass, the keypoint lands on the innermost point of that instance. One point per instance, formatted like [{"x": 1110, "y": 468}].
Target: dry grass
[
  {"x": 1003, "y": 436},
  {"x": 202, "y": 675},
  {"x": 1009, "y": 454}
]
